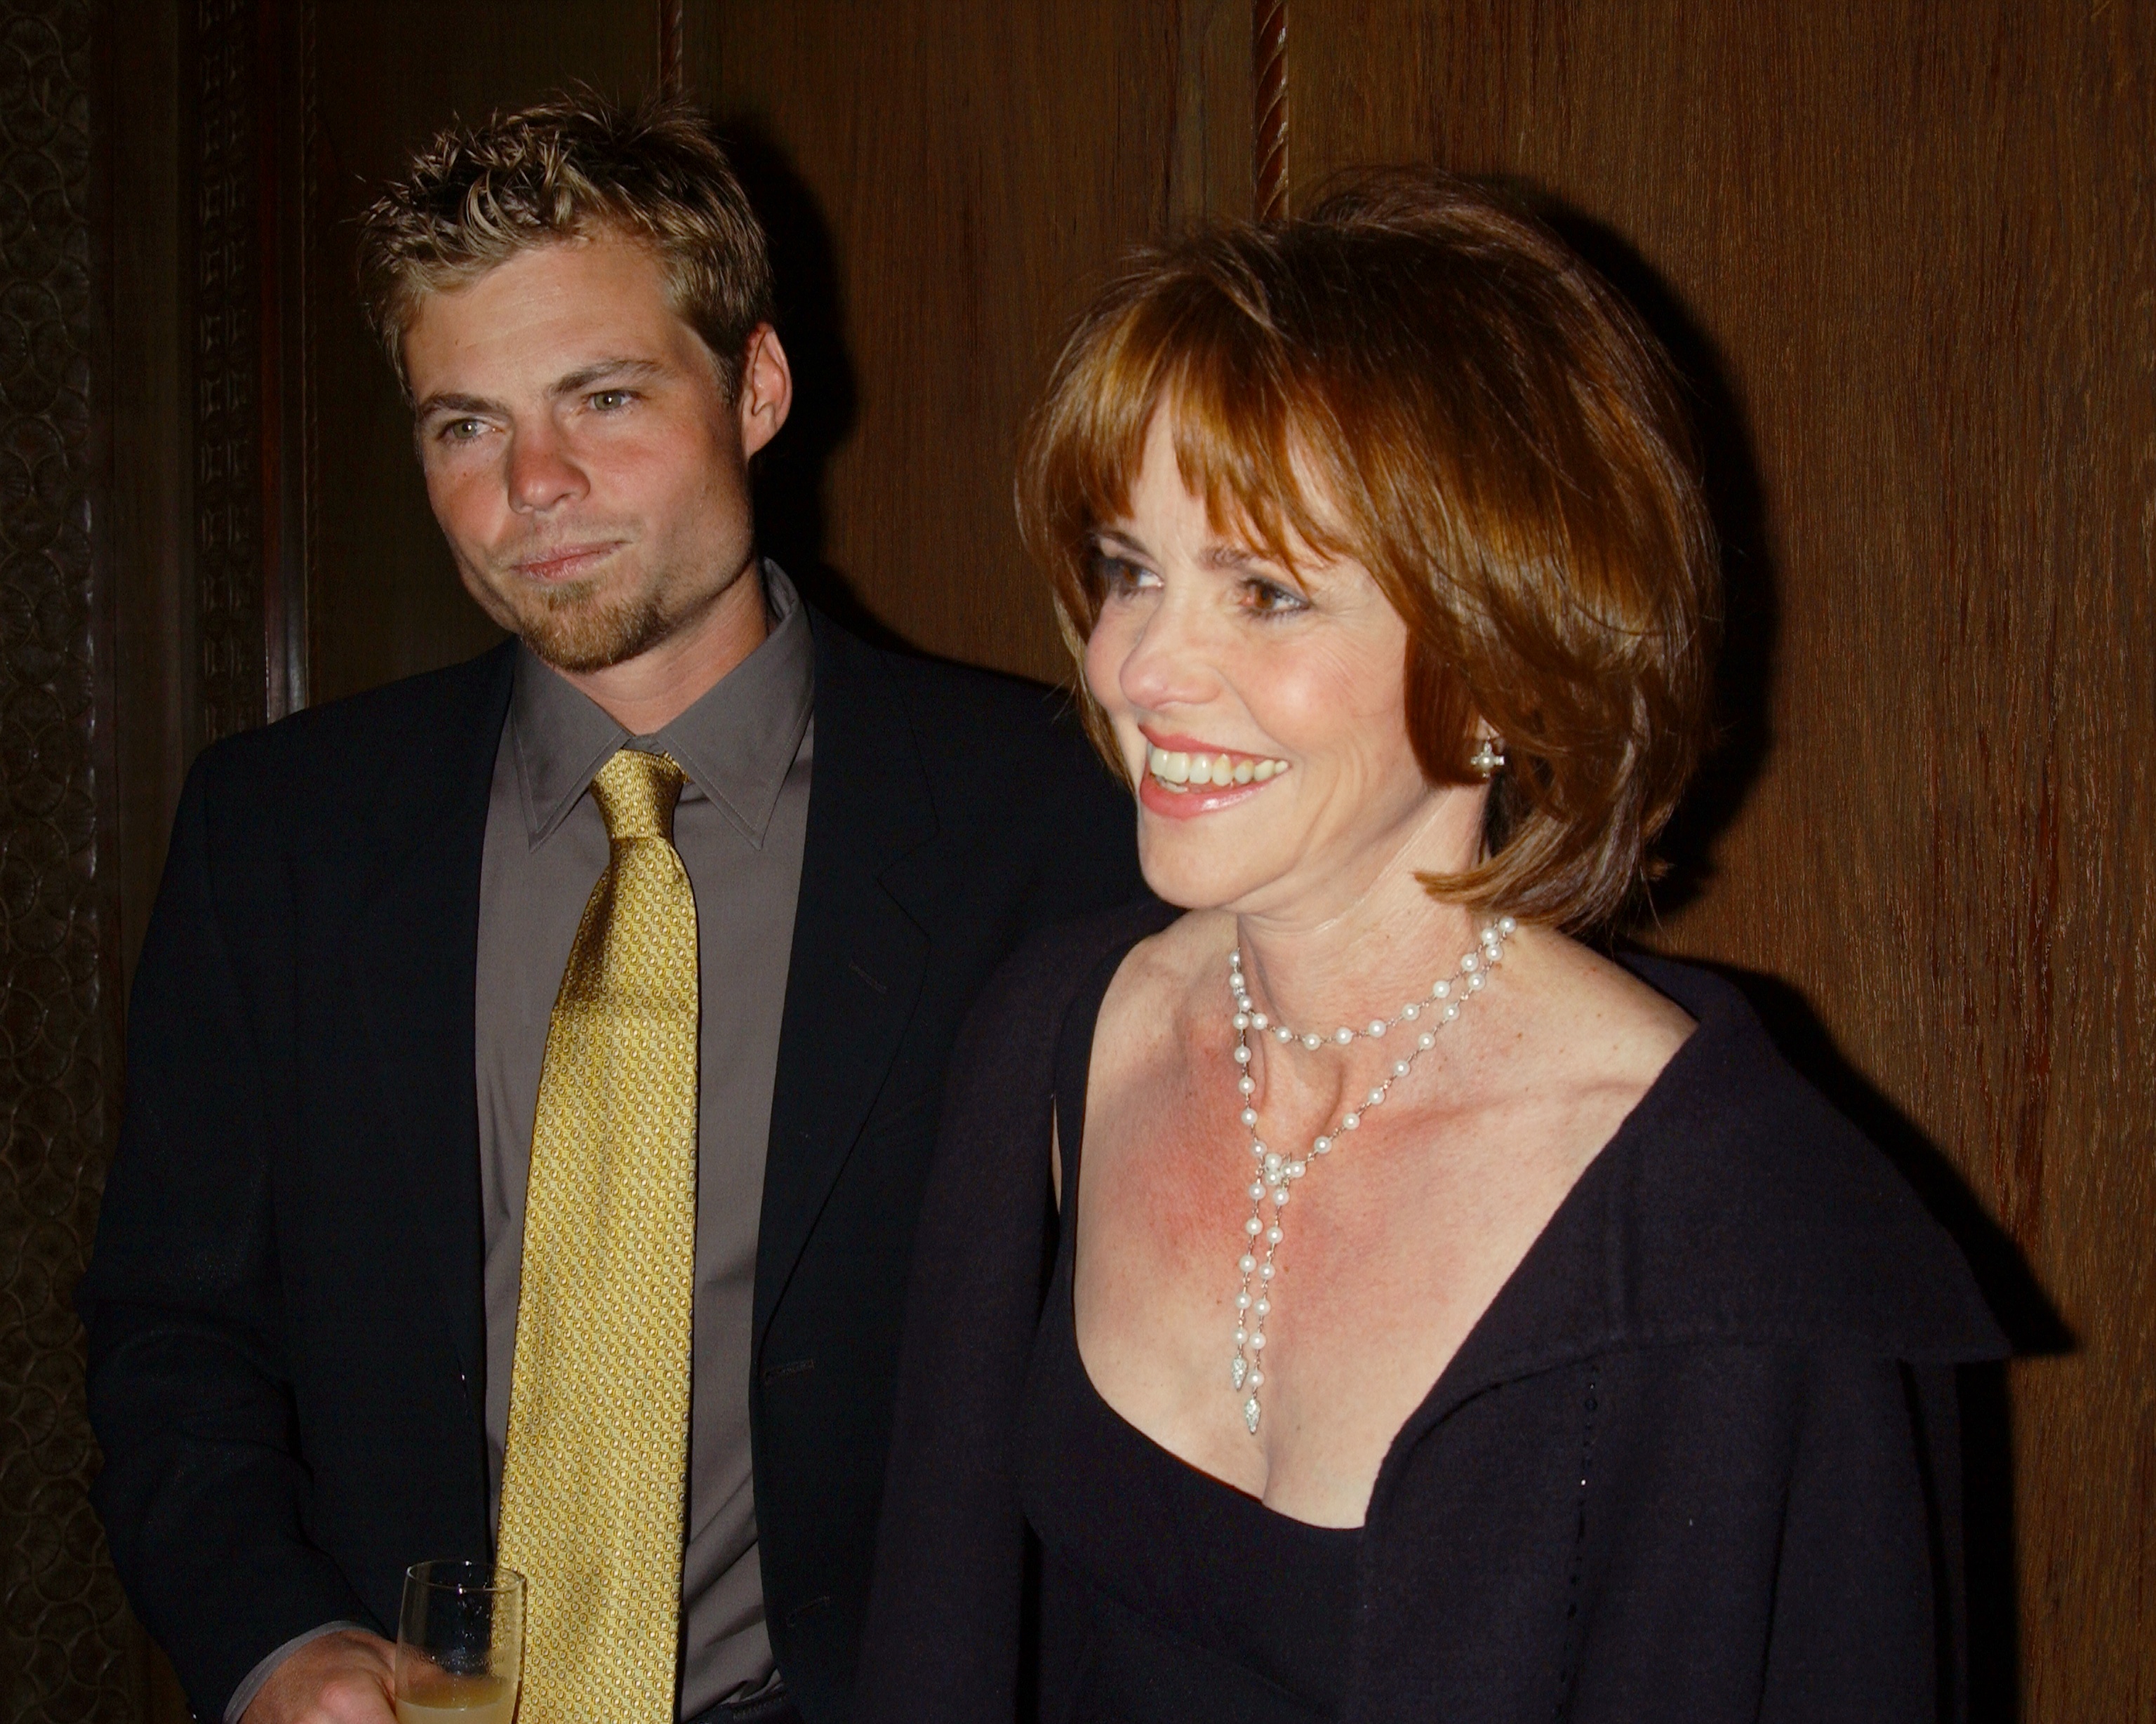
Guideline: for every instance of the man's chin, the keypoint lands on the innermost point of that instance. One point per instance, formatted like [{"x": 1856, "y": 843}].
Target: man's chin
[{"x": 582, "y": 631}]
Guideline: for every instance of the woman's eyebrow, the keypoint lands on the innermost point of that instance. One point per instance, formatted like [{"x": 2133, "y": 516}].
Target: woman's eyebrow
[{"x": 1229, "y": 554}]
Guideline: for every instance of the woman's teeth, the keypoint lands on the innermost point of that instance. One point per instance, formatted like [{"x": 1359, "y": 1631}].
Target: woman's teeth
[{"x": 1179, "y": 771}]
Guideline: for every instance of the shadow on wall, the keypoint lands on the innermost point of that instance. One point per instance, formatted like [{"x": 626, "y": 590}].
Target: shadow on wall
[
  {"x": 1751, "y": 617},
  {"x": 790, "y": 474},
  {"x": 1744, "y": 737}
]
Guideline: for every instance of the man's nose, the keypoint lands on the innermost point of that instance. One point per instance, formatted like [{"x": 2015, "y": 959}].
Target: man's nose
[{"x": 542, "y": 473}]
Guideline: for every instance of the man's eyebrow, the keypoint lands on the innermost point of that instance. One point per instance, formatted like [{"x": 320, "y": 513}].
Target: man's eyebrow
[
  {"x": 574, "y": 383},
  {"x": 606, "y": 370},
  {"x": 448, "y": 402}
]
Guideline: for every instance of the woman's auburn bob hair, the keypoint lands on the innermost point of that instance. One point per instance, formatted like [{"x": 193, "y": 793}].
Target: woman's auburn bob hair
[{"x": 1418, "y": 376}]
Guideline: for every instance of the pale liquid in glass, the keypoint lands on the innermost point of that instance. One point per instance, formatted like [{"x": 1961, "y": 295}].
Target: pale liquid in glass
[{"x": 460, "y": 1700}]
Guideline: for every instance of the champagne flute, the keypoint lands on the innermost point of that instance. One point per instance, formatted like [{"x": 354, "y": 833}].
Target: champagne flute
[{"x": 459, "y": 1643}]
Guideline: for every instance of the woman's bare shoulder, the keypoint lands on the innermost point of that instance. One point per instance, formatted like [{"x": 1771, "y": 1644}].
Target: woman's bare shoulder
[{"x": 1604, "y": 1022}]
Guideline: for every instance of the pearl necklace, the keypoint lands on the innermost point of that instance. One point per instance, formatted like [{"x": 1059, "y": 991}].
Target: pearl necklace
[{"x": 1277, "y": 1172}]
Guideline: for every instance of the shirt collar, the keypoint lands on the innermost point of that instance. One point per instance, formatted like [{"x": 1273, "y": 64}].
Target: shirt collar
[{"x": 735, "y": 744}]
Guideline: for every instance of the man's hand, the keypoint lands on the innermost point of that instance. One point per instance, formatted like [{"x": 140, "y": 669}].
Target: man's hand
[{"x": 343, "y": 1678}]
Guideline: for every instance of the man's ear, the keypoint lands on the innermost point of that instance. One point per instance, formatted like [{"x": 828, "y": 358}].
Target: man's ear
[{"x": 766, "y": 395}]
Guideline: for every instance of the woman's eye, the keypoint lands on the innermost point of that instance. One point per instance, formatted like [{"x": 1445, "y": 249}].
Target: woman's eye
[
  {"x": 1270, "y": 598},
  {"x": 1118, "y": 577}
]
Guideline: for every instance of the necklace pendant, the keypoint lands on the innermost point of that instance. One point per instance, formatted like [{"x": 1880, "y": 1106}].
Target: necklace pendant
[{"x": 1276, "y": 1171}]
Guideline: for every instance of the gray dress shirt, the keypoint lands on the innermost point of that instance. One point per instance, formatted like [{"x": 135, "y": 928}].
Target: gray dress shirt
[{"x": 739, "y": 829}]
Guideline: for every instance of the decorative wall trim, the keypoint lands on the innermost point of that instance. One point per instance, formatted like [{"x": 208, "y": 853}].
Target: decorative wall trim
[
  {"x": 66, "y": 1656},
  {"x": 1269, "y": 89},
  {"x": 230, "y": 218},
  {"x": 253, "y": 431},
  {"x": 292, "y": 145}
]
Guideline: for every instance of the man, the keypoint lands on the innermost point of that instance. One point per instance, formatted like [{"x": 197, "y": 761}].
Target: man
[{"x": 533, "y": 1066}]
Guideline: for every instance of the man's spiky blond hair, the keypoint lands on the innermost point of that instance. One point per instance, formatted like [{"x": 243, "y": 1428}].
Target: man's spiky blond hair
[{"x": 565, "y": 169}]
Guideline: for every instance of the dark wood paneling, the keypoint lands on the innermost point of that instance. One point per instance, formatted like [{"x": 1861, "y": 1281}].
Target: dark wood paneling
[
  {"x": 383, "y": 597},
  {"x": 1211, "y": 172},
  {"x": 1909, "y": 248},
  {"x": 944, "y": 176}
]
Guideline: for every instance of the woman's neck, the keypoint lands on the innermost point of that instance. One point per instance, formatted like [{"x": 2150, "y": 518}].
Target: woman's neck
[{"x": 1319, "y": 963}]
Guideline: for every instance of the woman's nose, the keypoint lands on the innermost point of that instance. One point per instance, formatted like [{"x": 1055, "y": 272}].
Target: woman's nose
[{"x": 1167, "y": 662}]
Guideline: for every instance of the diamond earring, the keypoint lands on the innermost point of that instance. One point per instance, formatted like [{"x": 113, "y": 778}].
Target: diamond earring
[{"x": 1487, "y": 759}]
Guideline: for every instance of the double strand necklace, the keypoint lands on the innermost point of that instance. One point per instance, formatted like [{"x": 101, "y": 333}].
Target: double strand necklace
[{"x": 1276, "y": 1172}]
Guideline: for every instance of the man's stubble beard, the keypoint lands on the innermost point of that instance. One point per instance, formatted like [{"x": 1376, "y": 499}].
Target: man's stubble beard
[{"x": 578, "y": 627}]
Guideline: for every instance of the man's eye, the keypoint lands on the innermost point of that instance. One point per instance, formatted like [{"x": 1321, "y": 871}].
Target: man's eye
[
  {"x": 459, "y": 430},
  {"x": 608, "y": 401}
]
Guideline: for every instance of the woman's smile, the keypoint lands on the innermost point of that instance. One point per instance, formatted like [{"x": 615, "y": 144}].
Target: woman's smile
[{"x": 1186, "y": 777}]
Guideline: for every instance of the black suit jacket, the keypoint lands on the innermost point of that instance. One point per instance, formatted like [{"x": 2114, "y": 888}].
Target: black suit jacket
[{"x": 284, "y": 1310}]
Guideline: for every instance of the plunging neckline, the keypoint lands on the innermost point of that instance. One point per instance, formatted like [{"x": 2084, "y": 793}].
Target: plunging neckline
[{"x": 1583, "y": 1193}]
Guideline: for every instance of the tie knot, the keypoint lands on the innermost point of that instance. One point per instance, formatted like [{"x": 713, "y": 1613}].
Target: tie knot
[{"x": 636, "y": 793}]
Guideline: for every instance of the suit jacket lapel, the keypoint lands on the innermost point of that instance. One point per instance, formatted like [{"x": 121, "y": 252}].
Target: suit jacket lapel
[
  {"x": 411, "y": 962},
  {"x": 858, "y": 957}
]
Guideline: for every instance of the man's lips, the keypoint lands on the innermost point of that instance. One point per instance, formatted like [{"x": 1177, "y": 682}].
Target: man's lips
[{"x": 565, "y": 564}]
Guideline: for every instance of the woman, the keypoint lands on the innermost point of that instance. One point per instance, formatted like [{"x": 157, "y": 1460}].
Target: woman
[{"x": 1446, "y": 1320}]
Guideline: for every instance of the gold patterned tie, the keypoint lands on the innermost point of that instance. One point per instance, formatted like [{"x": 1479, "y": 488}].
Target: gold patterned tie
[{"x": 599, "y": 1409}]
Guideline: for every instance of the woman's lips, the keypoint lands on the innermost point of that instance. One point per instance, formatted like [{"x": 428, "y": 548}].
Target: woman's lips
[
  {"x": 1157, "y": 797},
  {"x": 1184, "y": 777}
]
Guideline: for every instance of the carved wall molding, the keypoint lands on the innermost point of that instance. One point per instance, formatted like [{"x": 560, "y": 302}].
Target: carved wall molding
[
  {"x": 1269, "y": 89},
  {"x": 65, "y": 1650},
  {"x": 254, "y": 430},
  {"x": 233, "y": 681}
]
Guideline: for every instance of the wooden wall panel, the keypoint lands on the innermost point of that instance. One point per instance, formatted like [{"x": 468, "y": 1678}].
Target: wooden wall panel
[
  {"x": 944, "y": 177},
  {"x": 1909, "y": 247},
  {"x": 383, "y": 597}
]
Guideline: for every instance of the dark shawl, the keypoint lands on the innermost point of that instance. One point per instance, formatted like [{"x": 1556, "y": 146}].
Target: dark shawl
[{"x": 1700, "y": 1459}]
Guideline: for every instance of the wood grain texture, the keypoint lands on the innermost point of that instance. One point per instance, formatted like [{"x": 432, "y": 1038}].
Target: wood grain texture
[
  {"x": 1212, "y": 171},
  {"x": 1909, "y": 246},
  {"x": 944, "y": 178},
  {"x": 384, "y": 598}
]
